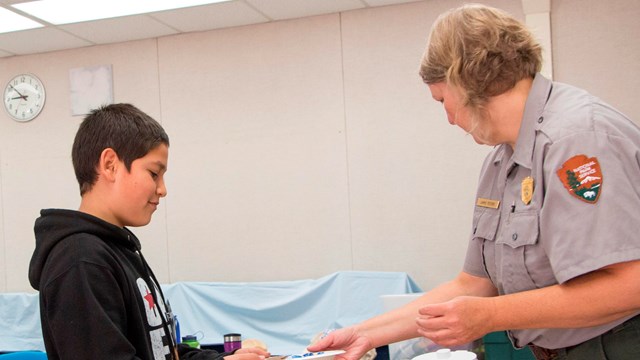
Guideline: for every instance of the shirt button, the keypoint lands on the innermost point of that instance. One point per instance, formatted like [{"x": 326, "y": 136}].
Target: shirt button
[
  {"x": 540, "y": 119},
  {"x": 514, "y": 237}
]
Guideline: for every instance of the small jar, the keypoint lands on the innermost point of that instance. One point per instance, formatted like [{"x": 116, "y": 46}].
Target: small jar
[
  {"x": 232, "y": 342},
  {"x": 191, "y": 340}
]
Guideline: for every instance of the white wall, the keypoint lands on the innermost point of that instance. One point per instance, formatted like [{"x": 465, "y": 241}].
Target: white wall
[
  {"x": 298, "y": 148},
  {"x": 595, "y": 47}
]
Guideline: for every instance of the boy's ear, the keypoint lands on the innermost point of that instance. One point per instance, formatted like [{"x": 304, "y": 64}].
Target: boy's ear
[{"x": 108, "y": 165}]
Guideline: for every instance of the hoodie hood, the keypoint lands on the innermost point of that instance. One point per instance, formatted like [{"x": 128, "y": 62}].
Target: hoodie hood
[{"x": 54, "y": 225}]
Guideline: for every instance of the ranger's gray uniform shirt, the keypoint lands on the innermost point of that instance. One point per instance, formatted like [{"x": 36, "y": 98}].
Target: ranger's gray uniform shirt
[{"x": 584, "y": 212}]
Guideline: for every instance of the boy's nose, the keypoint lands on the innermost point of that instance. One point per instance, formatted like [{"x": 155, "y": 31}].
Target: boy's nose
[{"x": 162, "y": 189}]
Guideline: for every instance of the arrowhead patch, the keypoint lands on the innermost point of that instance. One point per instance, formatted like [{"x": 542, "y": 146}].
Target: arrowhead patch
[{"x": 582, "y": 177}]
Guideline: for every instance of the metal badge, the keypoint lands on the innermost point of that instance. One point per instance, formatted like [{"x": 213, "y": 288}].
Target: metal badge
[{"x": 527, "y": 190}]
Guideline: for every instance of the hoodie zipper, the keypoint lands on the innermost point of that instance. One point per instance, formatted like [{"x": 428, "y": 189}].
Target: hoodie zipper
[{"x": 151, "y": 279}]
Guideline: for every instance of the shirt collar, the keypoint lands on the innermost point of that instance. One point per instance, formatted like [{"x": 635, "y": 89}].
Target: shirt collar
[{"x": 531, "y": 120}]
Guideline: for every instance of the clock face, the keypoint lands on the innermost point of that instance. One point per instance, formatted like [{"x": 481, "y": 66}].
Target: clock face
[{"x": 24, "y": 97}]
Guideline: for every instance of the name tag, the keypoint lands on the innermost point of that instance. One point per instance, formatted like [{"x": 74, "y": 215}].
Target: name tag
[{"x": 488, "y": 203}]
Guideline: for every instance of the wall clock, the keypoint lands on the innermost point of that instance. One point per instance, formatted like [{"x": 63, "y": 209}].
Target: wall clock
[{"x": 24, "y": 97}]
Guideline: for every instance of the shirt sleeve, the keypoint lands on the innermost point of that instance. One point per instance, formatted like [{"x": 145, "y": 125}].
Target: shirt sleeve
[{"x": 584, "y": 229}]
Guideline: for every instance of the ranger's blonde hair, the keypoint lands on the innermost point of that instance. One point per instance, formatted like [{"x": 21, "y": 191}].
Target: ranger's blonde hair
[{"x": 481, "y": 51}]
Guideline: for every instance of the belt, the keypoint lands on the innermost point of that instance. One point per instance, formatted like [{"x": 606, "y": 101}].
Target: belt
[
  {"x": 544, "y": 354},
  {"x": 561, "y": 353}
]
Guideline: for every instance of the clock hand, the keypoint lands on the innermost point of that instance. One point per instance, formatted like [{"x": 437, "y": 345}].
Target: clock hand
[
  {"x": 16, "y": 90},
  {"x": 23, "y": 97}
]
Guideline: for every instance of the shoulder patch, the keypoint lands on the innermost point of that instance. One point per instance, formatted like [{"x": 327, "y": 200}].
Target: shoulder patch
[{"x": 582, "y": 177}]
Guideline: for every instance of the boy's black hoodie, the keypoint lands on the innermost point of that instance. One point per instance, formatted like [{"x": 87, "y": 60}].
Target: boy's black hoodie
[{"x": 98, "y": 297}]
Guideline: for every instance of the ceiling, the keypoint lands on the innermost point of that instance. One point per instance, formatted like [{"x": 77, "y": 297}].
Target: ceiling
[{"x": 171, "y": 22}]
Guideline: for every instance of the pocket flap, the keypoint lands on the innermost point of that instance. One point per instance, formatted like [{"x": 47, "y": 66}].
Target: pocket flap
[
  {"x": 486, "y": 224},
  {"x": 521, "y": 229}
]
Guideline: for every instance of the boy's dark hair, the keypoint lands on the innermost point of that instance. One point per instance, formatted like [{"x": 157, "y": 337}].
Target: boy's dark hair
[{"x": 122, "y": 127}]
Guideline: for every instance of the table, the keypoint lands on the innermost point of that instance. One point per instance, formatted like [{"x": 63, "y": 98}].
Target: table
[{"x": 286, "y": 315}]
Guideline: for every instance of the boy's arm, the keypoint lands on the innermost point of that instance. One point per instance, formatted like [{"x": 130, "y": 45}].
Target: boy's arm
[
  {"x": 186, "y": 352},
  {"x": 85, "y": 314}
]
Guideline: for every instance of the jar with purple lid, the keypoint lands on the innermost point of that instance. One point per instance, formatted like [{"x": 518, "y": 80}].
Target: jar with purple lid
[{"x": 232, "y": 342}]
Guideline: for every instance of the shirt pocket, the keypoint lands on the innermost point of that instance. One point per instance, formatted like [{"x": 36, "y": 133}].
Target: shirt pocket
[
  {"x": 520, "y": 229},
  {"x": 485, "y": 223},
  {"x": 519, "y": 254}
]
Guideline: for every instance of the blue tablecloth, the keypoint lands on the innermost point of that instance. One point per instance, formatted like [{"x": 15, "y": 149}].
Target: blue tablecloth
[{"x": 286, "y": 315}]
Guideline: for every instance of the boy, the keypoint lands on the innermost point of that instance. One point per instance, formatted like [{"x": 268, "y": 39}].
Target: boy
[{"x": 99, "y": 298}]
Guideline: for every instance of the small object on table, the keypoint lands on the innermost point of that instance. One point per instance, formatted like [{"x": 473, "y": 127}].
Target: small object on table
[
  {"x": 447, "y": 354},
  {"x": 191, "y": 340},
  {"x": 324, "y": 355},
  {"x": 232, "y": 342}
]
